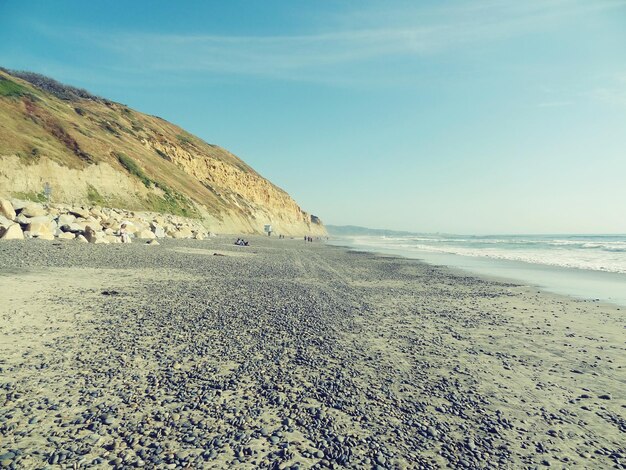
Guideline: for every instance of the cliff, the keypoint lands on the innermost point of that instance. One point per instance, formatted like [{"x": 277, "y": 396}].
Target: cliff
[{"x": 93, "y": 151}]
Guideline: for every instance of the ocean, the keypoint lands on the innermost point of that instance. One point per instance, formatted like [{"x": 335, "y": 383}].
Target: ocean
[{"x": 584, "y": 266}]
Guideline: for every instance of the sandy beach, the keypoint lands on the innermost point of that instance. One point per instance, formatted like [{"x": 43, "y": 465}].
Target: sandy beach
[{"x": 286, "y": 354}]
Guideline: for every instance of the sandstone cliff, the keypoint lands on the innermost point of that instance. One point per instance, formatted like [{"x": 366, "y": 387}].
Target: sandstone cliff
[{"x": 93, "y": 151}]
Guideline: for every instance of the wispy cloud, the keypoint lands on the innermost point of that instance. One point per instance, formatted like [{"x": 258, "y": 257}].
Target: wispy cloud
[{"x": 357, "y": 37}]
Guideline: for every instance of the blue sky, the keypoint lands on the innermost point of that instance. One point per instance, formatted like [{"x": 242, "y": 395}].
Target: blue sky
[{"x": 466, "y": 117}]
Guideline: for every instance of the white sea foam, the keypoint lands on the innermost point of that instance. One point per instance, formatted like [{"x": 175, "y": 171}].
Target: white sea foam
[{"x": 598, "y": 253}]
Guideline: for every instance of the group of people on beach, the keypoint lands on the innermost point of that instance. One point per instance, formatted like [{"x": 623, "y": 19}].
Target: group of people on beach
[
  {"x": 308, "y": 239},
  {"x": 241, "y": 242}
]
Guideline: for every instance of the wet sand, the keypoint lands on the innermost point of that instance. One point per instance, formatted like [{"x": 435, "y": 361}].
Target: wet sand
[{"x": 292, "y": 355}]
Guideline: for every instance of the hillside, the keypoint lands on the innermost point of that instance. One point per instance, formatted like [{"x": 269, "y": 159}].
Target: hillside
[{"x": 94, "y": 151}]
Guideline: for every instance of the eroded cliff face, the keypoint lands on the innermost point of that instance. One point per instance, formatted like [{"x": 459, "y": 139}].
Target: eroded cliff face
[{"x": 91, "y": 150}]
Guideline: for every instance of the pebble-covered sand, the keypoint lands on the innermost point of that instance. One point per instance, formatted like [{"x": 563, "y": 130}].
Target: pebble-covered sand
[{"x": 286, "y": 354}]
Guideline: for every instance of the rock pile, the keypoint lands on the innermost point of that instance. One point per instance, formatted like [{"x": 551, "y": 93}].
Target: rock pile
[{"x": 25, "y": 219}]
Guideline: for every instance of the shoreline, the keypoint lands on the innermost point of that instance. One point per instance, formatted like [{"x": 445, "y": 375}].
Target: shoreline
[
  {"x": 296, "y": 355},
  {"x": 606, "y": 287}
]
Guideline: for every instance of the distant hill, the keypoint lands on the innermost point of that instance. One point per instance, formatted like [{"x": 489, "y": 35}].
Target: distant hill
[
  {"x": 94, "y": 151},
  {"x": 354, "y": 230}
]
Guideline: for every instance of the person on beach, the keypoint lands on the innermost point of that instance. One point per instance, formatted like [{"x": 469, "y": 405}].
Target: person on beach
[{"x": 124, "y": 235}]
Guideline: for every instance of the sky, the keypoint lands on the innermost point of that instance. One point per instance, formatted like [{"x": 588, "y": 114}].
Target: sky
[{"x": 434, "y": 116}]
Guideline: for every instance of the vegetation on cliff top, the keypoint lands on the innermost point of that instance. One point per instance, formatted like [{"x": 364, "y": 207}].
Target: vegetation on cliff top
[
  {"x": 61, "y": 91},
  {"x": 11, "y": 89}
]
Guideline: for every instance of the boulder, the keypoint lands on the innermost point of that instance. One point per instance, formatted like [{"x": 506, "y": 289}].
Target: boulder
[
  {"x": 22, "y": 219},
  {"x": 4, "y": 222},
  {"x": 43, "y": 219},
  {"x": 6, "y": 209},
  {"x": 81, "y": 239},
  {"x": 130, "y": 227},
  {"x": 33, "y": 210},
  {"x": 145, "y": 235},
  {"x": 66, "y": 236},
  {"x": 158, "y": 231},
  {"x": 41, "y": 230},
  {"x": 18, "y": 204},
  {"x": 110, "y": 223},
  {"x": 199, "y": 236},
  {"x": 96, "y": 212},
  {"x": 80, "y": 212},
  {"x": 12, "y": 232},
  {"x": 101, "y": 241},
  {"x": 83, "y": 224},
  {"x": 113, "y": 239},
  {"x": 66, "y": 219},
  {"x": 183, "y": 232},
  {"x": 152, "y": 242},
  {"x": 73, "y": 227}
]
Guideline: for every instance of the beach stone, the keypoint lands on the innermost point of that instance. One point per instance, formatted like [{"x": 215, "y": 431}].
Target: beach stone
[
  {"x": 33, "y": 210},
  {"x": 6, "y": 209}
]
